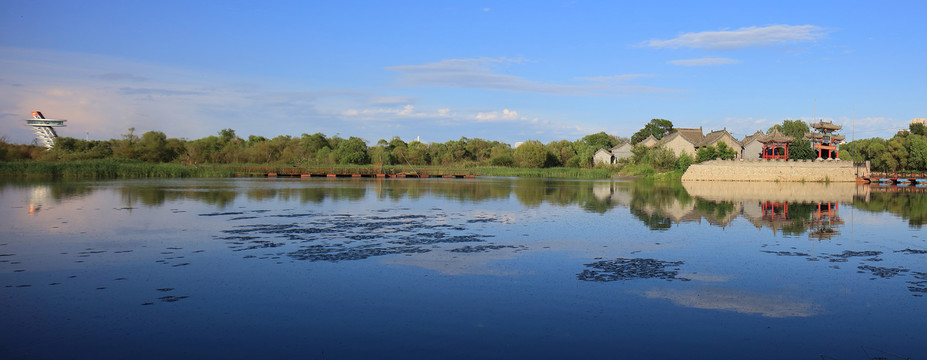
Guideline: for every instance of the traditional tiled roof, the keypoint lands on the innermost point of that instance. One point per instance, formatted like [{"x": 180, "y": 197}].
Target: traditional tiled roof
[
  {"x": 693, "y": 136},
  {"x": 775, "y": 136},
  {"x": 750, "y": 138},
  {"x": 826, "y": 125},
  {"x": 715, "y": 136},
  {"x": 619, "y": 146},
  {"x": 650, "y": 140}
]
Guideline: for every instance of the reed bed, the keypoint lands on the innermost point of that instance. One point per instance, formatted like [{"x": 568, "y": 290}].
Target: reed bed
[{"x": 105, "y": 169}]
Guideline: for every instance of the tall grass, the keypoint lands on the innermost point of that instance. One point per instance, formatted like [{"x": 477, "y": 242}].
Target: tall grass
[{"x": 105, "y": 169}]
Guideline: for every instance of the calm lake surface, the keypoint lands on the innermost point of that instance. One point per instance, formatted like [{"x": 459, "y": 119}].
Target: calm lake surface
[{"x": 488, "y": 268}]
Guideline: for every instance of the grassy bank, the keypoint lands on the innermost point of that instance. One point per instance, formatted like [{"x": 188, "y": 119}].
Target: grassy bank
[{"x": 105, "y": 169}]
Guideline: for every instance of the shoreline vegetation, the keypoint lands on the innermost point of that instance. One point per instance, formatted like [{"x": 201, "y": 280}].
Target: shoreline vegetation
[
  {"x": 154, "y": 155},
  {"x": 131, "y": 169}
]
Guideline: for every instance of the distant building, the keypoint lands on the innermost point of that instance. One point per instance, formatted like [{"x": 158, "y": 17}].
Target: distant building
[
  {"x": 650, "y": 141},
  {"x": 718, "y": 136},
  {"x": 682, "y": 141},
  {"x": 611, "y": 156},
  {"x": 751, "y": 147},
  {"x": 775, "y": 145},
  {"x": 603, "y": 156},
  {"x": 825, "y": 139},
  {"x": 622, "y": 151}
]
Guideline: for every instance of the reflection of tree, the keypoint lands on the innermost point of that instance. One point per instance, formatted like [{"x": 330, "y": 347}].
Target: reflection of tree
[
  {"x": 157, "y": 196},
  {"x": 718, "y": 211},
  {"x": 909, "y": 205},
  {"x": 654, "y": 221},
  {"x": 57, "y": 190},
  {"x": 799, "y": 219}
]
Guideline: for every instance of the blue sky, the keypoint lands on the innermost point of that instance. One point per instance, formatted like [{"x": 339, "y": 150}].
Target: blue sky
[{"x": 440, "y": 70}]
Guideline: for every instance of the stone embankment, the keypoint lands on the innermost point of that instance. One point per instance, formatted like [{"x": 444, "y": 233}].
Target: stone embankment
[{"x": 777, "y": 170}]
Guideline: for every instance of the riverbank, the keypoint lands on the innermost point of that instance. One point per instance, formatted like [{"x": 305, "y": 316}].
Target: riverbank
[{"x": 130, "y": 169}]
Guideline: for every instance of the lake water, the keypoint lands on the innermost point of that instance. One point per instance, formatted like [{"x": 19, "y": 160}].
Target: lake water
[{"x": 487, "y": 268}]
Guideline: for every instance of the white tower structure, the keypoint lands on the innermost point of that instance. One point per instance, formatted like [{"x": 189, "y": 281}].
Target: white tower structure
[{"x": 44, "y": 129}]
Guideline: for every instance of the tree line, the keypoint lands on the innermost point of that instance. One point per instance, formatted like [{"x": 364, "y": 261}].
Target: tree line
[
  {"x": 904, "y": 151},
  {"x": 226, "y": 147}
]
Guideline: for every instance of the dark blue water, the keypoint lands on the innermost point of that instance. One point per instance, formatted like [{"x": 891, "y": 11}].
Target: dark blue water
[{"x": 454, "y": 268}]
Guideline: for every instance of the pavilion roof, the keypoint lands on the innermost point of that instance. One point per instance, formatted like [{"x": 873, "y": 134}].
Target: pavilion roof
[
  {"x": 825, "y": 125},
  {"x": 820, "y": 136},
  {"x": 775, "y": 136}
]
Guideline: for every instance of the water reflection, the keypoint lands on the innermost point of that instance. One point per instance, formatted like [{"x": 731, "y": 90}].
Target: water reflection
[
  {"x": 462, "y": 261},
  {"x": 791, "y": 209}
]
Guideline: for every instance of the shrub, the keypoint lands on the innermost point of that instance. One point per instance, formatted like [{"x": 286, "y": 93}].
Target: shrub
[{"x": 502, "y": 160}]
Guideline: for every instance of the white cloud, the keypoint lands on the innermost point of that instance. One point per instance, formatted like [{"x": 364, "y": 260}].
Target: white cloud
[
  {"x": 406, "y": 111},
  {"x": 744, "y": 302},
  {"x": 506, "y": 114},
  {"x": 478, "y": 74},
  {"x": 705, "y": 61},
  {"x": 742, "y": 38}
]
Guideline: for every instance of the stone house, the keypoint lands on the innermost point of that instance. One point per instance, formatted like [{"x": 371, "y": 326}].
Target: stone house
[
  {"x": 751, "y": 147},
  {"x": 603, "y": 156},
  {"x": 682, "y": 141},
  {"x": 622, "y": 151},
  {"x": 719, "y": 136},
  {"x": 611, "y": 156},
  {"x": 650, "y": 141}
]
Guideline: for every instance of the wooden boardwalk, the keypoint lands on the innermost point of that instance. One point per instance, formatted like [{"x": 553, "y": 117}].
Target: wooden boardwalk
[{"x": 349, "y": 172}]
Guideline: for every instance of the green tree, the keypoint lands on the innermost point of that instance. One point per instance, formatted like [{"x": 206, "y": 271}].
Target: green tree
[
  {"x": 800, "y": 149},
  {"x": 352, "y": 151},
  {"x": 683, "y": 161},
  {"x": 706, "y": 153},
  {"x": 532, "y": 154},
  {"x": 918, "y": 129},
  {"x": 726, "y": 152},
  {"x": 917, "y": 152},
  {"x": 600, "y": 140},
  {"x": 562, "y": 150},
  {"x": 126, "y": 148},
  {"x": 656, "y": 127},
  {"x": 153, "y": 147},
  {"x": 796, "y": 129}
]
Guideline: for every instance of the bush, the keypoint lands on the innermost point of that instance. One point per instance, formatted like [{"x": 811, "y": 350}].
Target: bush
[
  {"x": 502, "y": 160},
  {"x": 706, "y": 153},
  {"x": 683, "y": 162},
  {"x": 532, "y": 154}
]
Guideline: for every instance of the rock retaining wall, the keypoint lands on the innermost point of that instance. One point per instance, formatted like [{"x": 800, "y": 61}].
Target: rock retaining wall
[{"x": 776, "y": 170}]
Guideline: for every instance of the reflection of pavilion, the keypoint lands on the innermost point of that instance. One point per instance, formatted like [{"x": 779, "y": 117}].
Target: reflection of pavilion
[
  {"x": 823, "y": 221},
  {"x": 772, "y": 214},
  {"x": 819, "y": 217}
]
